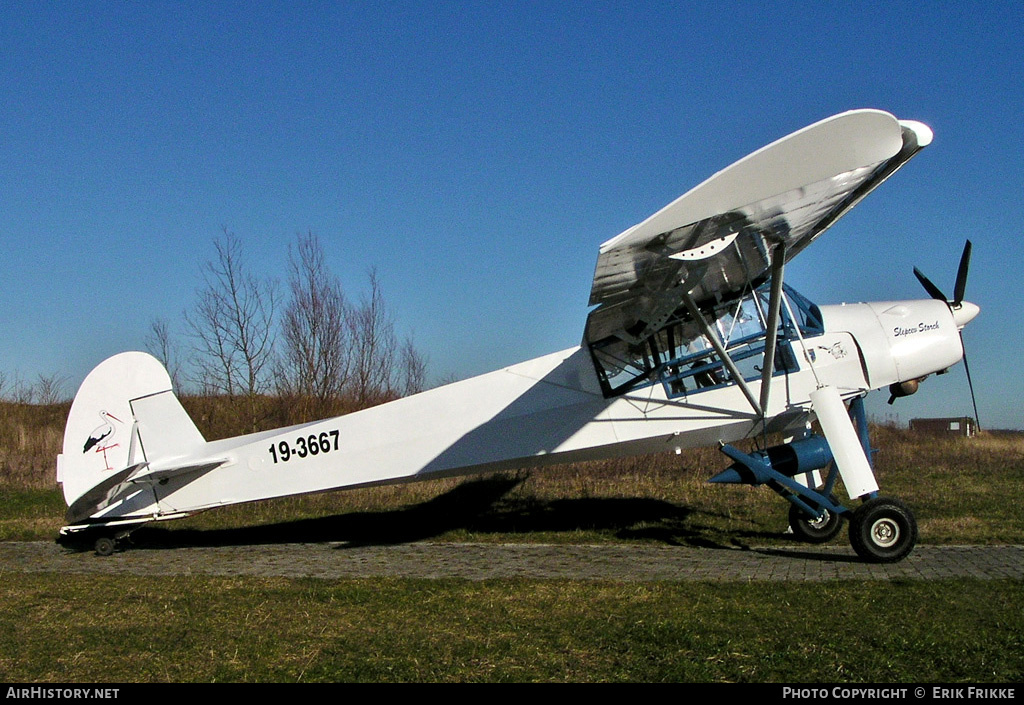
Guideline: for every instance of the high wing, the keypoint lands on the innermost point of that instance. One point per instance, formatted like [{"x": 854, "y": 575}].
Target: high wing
[{"x": 716, "y": 241}]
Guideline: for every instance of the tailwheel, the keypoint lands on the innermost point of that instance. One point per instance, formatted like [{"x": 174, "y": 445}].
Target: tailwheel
[
  {"x": 883, "y": 530},
  {"x": 105, "y": 546},
  {"x": 815, "y": 529},
  {"x": 104, "y": 540}
]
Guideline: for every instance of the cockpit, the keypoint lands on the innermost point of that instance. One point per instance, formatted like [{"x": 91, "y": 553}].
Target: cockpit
[{"x": 680, "y": 356}]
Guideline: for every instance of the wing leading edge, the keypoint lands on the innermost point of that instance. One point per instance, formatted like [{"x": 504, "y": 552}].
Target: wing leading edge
[{"x": 715, "y": 242}]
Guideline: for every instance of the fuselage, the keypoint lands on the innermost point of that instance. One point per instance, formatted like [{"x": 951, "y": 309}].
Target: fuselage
[{"x": 547, "y": 410}]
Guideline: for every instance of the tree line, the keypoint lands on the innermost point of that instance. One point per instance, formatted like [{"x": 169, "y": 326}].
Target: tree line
[{"x": 284, "y": 358}]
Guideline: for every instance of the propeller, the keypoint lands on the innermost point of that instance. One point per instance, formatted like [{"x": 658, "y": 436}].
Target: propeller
[
  {"x": 958, "y": 288},
  {"x": 956, "y": 305}
]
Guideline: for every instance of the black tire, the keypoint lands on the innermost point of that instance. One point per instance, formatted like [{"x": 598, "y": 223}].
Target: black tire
[
  {"x": 105, "y": 546},
  {"x": 815, "y": 530},
  {"x": 883, "y": 530}
]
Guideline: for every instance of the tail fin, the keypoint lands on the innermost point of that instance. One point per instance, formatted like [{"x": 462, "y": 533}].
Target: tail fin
[{"x": 125, "y": 414}]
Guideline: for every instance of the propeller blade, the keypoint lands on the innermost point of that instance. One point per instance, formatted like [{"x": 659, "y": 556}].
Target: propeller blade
[
  {"x": 967, "y": 369},
  {"x": 932, "y": 290},
  {"x": 961, "y": 275}
]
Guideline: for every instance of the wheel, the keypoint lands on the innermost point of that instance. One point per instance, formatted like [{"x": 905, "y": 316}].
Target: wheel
[
  {"x": 883, "y": 530},
  {"x": 815, "y": 530},
  {"x": 104, "y": 546}
]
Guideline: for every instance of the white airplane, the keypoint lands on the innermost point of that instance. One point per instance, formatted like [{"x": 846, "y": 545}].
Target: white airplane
[{"x": 695, "y": 340}]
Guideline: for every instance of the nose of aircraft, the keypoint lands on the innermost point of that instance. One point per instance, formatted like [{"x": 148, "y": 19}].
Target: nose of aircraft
[{"x": 965, "y": 313}]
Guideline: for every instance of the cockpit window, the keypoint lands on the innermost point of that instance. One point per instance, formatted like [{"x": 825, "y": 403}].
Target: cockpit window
[
  {"x": 684, "y": 361},
  {"x": 807, "y": 312}
]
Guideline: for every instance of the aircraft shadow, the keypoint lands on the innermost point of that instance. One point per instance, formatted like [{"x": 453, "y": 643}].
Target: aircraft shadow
[
  {"x": 479, "y": 506},
  {"x": 810, "y": 555}
]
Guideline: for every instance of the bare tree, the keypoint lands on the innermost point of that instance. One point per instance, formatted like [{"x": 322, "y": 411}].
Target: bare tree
[
  {"x": 160, "y": 344},
  {"x": 334, "y": 355},
  {"x": 315, "y": 328},
  {"x": 382, "y": 369},
  {"x": 374, "y": 347},
  {"x": 49, "y": 389},
  {"x": 413, "y": 369},
  {"x": 20, "y": 392},
  {"x": 233, "y": 325}
]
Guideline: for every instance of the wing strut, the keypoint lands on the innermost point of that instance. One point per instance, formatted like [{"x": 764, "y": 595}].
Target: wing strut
[
  {"x": 712, "y": 337},
  {"x": 772, "y": 324}
]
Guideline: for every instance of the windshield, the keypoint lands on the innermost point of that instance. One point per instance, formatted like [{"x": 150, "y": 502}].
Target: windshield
[{"x": 680, "y": 357}]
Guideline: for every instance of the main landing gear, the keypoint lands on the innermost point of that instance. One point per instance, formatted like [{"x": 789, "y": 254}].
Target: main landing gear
[{"x": 882, "y": 529}]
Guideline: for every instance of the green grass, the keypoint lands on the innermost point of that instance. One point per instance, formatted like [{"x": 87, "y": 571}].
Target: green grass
[
  {"x": 131, "y": 629},
  {"x": 95, "y": 628},
  {"x": 30, "y": 514}
]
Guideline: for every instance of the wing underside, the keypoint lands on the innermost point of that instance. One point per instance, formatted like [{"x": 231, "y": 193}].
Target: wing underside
[{"x": 715, "y": 242}]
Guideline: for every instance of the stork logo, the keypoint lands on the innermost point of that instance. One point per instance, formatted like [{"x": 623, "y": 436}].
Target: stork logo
[{"x": 100, "y": 440}]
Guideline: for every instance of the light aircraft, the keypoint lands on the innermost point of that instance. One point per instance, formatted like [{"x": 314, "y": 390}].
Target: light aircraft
[{"x": 694, "y": 339}]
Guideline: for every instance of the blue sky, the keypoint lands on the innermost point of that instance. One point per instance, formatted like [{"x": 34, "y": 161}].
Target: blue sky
[{"x": 476, "y": 154}]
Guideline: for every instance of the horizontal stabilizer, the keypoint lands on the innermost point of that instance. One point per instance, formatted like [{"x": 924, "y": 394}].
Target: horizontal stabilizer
[
  {"x": 106, "y": 493},
  {"x": 153, "y": 473}
]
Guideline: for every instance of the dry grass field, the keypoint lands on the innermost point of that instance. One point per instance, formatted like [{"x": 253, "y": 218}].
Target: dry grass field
[
  {"x": 962, "y": 491},
  {"x": 129, "y": 629}
]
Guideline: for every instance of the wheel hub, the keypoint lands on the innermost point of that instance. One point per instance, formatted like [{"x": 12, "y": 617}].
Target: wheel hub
[
  {"x": 821, "y": 521},
  {"x": 885, "y": 532}
]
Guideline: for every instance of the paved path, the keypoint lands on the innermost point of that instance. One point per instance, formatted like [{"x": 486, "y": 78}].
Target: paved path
[{"x": 486, "y": 561}]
